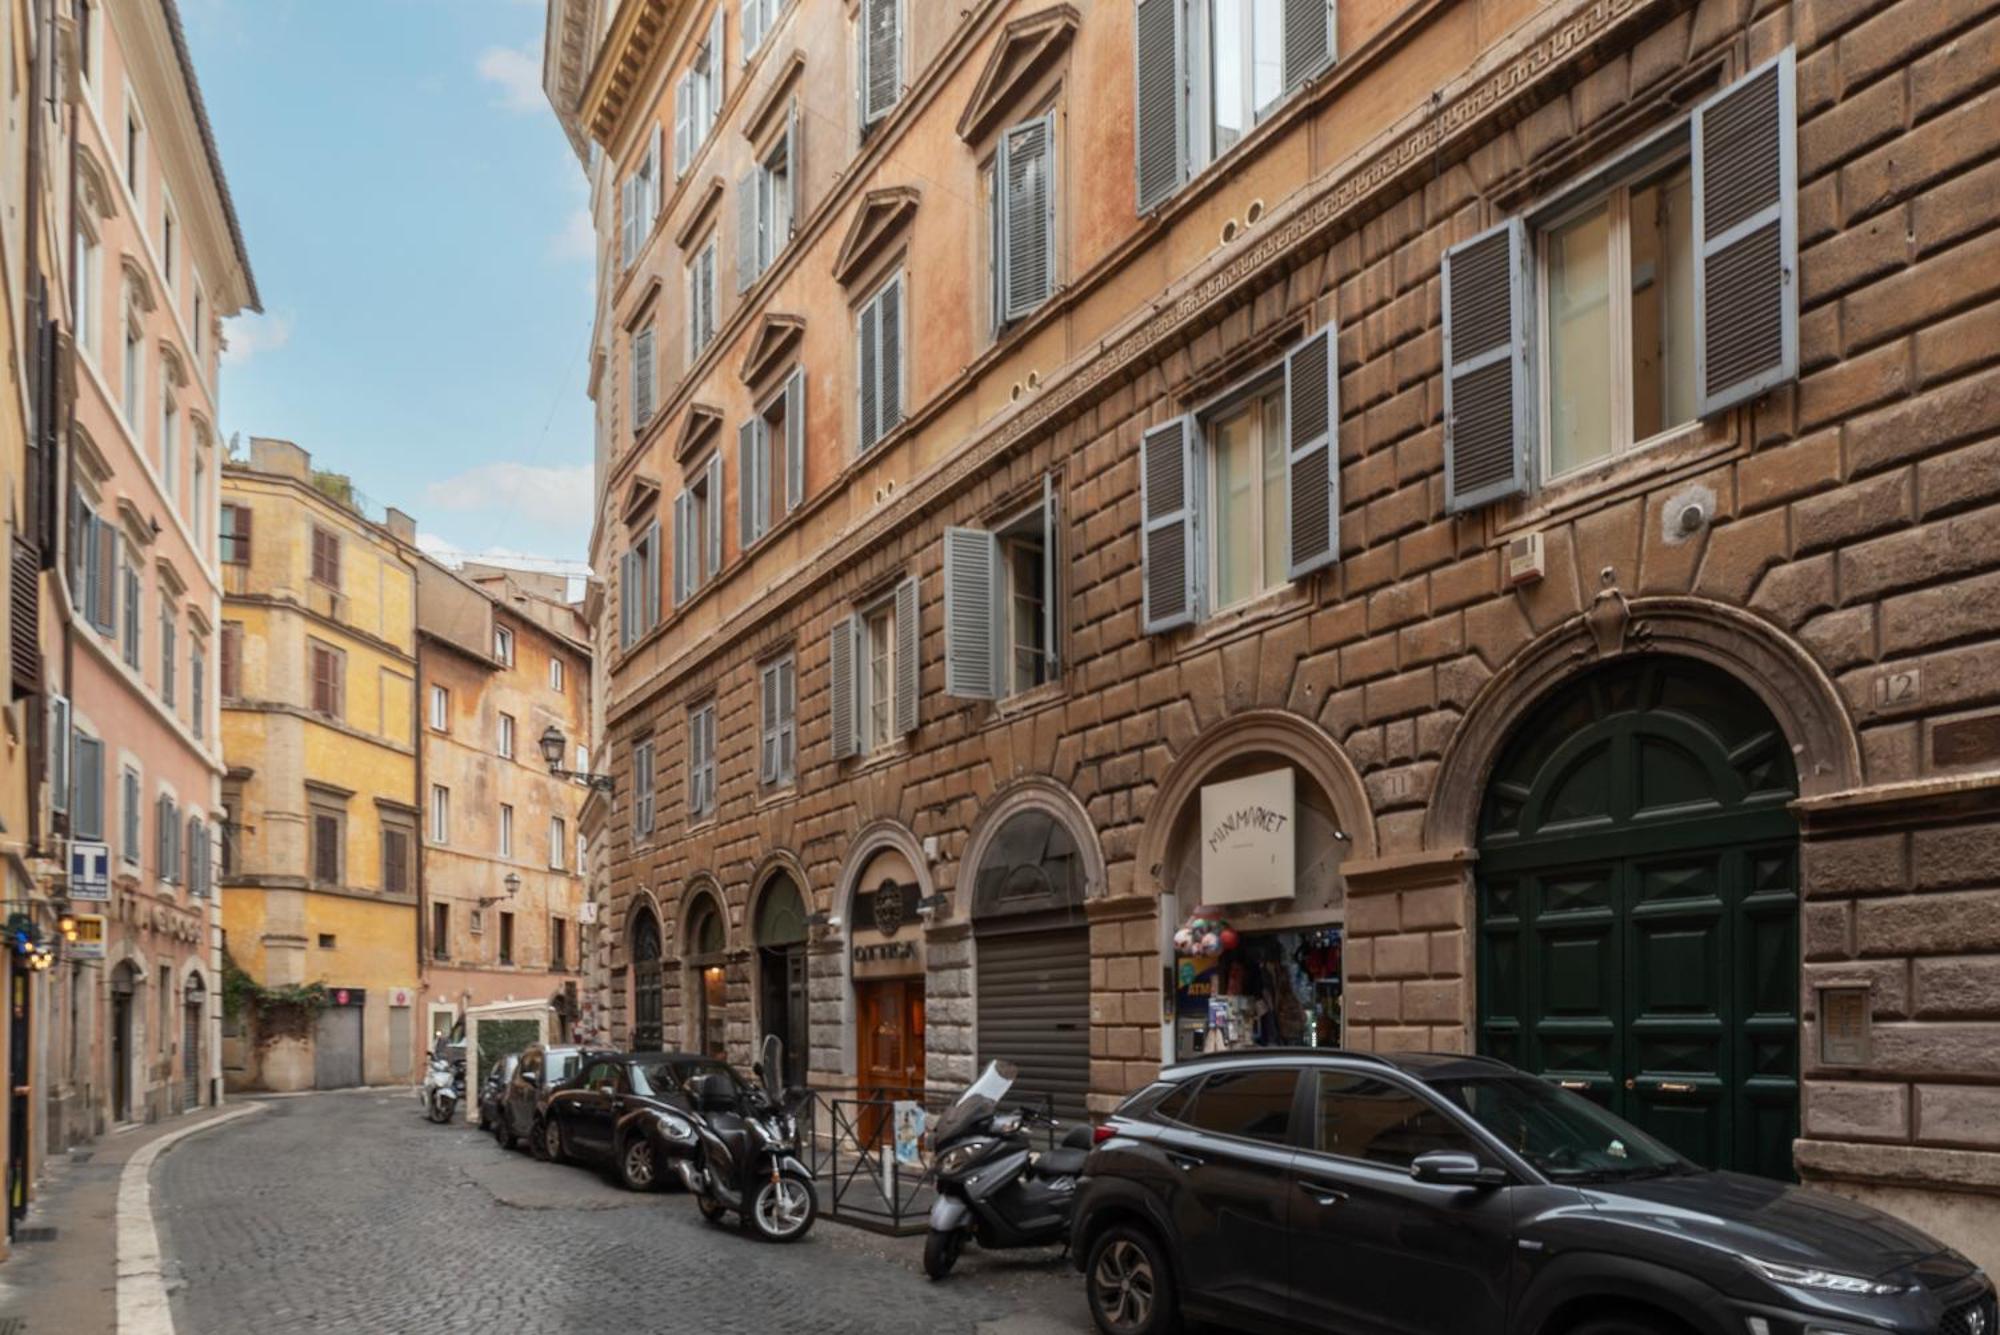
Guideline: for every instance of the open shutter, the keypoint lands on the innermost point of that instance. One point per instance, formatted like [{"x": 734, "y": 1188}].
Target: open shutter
[
  {"x": 1312, "y": 471},
  {"x": 1746, "y": 235},
  {"x": 715, "y": 65},
  {"x": 683, "y": 549},
  {"x": 889, "y": 362},
  {"x": 881, "y": 58},
  {"x": 656, "y": 176},
  {"x": 788, "y": 718},
  {"x": 628, "y": 221},
  {"x": 867, "y": 361},
  {"x": 1166, "y": 504},
  {"x": 746, "y": 468},
  {"x": 752, "y": 20},
  {"x": 971, "y": 613},
  {"x": 649, "y": 601},
  {"x": 683, "y": 129},
  {"x": 1488, "y": 402},
  {"x": 908, "y": 638},
  {"x": 1029, "y": 226},
  {"x": 628, "y": 597},
  {"x": 767, "y": 725},
  {"x": 840, "y": 688},
  {"x": 61, "y": 749},
  {"x": 715, "y": 512},
  {"x": 1158, "y": 105},
  {"x": 795, "y": 439},
  {"x": 1308, "y": 39},
  {"x": 1052, "y": 620},
  {"x": 795, "y": 159},
  {"x": 748, "y": 228}
]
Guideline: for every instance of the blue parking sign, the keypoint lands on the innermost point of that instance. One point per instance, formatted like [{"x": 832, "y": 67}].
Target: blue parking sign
[{"x": 90, "y": 871}]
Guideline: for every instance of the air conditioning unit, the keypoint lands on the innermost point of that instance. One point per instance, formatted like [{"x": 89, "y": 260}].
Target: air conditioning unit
[{"x": 1526, "y": 559}]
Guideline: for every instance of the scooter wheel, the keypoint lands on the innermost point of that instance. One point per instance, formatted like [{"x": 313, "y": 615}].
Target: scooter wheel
[
  {"x": 711, "y": 1209},
  {"x": 783, "y": 1209},
  {"x": 941, "y": 1252}
]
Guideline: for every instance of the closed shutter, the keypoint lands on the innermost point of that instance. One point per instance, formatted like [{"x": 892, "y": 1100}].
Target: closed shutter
[
  {"x": 62, "y": 749},
  {"x": 656, "y": 177},
  {"x": 132, "y": 615},
  {"x": 1308, "y": 39},
  {"x": 1158, "y": 105},
  {"x": 1052, "y": 620},
  {"x": 694, "y": 765},
  {"x": 87, "y": 812},
  {"x": 1034, "y": 1011},
  {"x": 683, "y": 548},
  {"x": 642, "y": 379},
  {"x": 1488, "y": 401},
  {"x": 866, "y": 362},
  {"x": 1026, "y": 201},
  {"x": 881, "y": 58},
  {"x": 24, "y": 596},
  {"x": 715, "y": 513},
  {"x": 767, "y": 729},
  {"x": 795, "y": 439},
  {"x": 232, "y": 660},
  {"x": 749, "y": 227},
  {"x": 840, "y": 688},
  {"x": 649, "y": 591},
  {"x": 747, "y": 444},
  {"x": 1167, "y": 540},
  {"x": 971, "y": 613},
  {"x": 628, "y": 597},
  {"x": 908, "y": 638},
  {"x": 1312, "y": 472},
  {"x": 683, "y": 129},
  {"x": 753, "y": 25},
  {"x": 788, "y": 703},
  {"x": 889, "y": 361},
  {"x": 1746, "y": 296},
  {"x": 715, "y": 65}
]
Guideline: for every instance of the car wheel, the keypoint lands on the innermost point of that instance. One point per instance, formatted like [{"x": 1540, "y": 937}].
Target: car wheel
[
  {"x": 550, "y": 1141},
  {"x": 638, "y": 1165},
  {"x": 1128, "y": 1284},
  {"x": 783, "y": 1208}
]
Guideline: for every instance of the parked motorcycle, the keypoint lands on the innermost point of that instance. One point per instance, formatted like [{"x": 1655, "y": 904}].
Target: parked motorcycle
[
  {"x": 444, "y": 1085},
  {"x": 991, "y": 1188},
  {"x": 737, "y": 1149}
]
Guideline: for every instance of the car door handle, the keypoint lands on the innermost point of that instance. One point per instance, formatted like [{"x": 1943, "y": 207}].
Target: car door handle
[
  {"x": 1322, "y": 1193},
  {"x": 1187, "y": 1163}
]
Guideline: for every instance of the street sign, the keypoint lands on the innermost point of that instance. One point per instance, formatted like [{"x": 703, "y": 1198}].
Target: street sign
[
  {"x": 90, "y": 871},
  {"x": 89, "y": 943}
]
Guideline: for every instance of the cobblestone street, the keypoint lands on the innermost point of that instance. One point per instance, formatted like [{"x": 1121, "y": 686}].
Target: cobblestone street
[{"x": 349, "y": 1212}]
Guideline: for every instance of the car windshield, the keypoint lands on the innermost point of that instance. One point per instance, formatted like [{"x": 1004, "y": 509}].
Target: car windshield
[
  {"x": 686, "y": 1073},
  {"x": 562, "y": 1065},
  {"x": 640, "y": 1084},
  {"x": 1567, "y": 1137},
  {"x": 977, "y": 1103}
]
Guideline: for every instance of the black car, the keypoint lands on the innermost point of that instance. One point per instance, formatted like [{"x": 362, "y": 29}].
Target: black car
[
  {"x": 493, "y": 1090},
  {"x": 598, "y": 1117},
  {"x": 1451, "y": 1195},
  {"x": 543, "y": 1069}
]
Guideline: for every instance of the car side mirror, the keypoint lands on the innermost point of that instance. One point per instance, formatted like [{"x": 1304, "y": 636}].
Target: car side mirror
[
  {"x": 1451, "y": 1168},
  {"x": 530, "y": 1078}
]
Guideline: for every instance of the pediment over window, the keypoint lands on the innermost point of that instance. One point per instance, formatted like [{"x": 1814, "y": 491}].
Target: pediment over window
[
  {"x": 640, "y": 493},
  {"x": 1027, "y": 48},
  {"x": 90, "y": 460},
  {"x": 775, "y": 336},
  {"x": 97, "y": 192},
  {"x": 778, "y": 95},
  {"x": 135, "y": 281},
  {"x": 698, "y": 217},
  {"x": 702, "y": 421},
  {"x": 171, "y": 583},
  {"x": 139, "y": 530},
  {"x": 170, "y": 361},
  {"x": 881, "y": 218},
  {"x": 643, "y": 304}
]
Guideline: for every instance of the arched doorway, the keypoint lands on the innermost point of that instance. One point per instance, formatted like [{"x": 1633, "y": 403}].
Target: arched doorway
[
  {"x": 1638, "y": 907},
  {"x": 193, "y": 994},
  {"x": 705, "y": 957},
  {"x": 647, "y": 1034},
  {"x": 887, "y": 959},
  {"x": 124, "y": 987},
  {"x": 1031, "y": 953},
  {"x": 781, "y": 972}
]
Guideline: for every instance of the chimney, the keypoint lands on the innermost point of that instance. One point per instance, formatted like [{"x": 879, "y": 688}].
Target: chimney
[
  {"x": 271, "y": 455},
  {"x": 401, "y": 526}
]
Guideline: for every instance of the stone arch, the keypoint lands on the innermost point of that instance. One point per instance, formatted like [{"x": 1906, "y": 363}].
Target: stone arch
[
  {"x": 777, "y": 945},
  {"x": 641, "y": 898},
  {"x": 1799, "y": 694},
  {"x": 704, "y": 965},
  {"x": 644, "y": 999},
  {"x": 1272, "y": 731},
  {"x": 1034, "y": 793},
  {"x": 782, "y": 861},
  {"x": 884, "y": 835},
  {"x": 873, "y": 839}
]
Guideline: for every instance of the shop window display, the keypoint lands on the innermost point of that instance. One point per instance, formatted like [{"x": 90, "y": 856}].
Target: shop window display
[{"x": 1236, "y": 990}]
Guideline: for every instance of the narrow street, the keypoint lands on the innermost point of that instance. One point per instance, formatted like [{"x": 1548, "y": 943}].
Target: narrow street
[{"x": 349, "y": 1212}]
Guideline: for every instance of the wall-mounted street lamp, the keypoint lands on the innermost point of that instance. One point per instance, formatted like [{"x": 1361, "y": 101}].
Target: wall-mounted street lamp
[
  {"x": 513, "y": 884},
  {"x": 554, "y": 746}
]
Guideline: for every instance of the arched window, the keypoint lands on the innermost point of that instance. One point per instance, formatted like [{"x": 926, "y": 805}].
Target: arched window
[
  {"x": 646, "y": 982},
  {"x": 706, "y": 943},
  {"x": 781, "y": 972}
]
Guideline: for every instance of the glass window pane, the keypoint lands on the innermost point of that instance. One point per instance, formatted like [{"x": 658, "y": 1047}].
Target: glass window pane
[
  {"x": 1267, "y": 53},
  {"x": 1663, "y": 389},
  {"x": 1233, "y": 113},
  {"x": 1579, "y": 327},
  {"x": 1254, "y": 1104},
  {"x": 1233, "y": 449},
  {"x": 1277, "y": 519},
  {"x": 1370, "y": 1119}
]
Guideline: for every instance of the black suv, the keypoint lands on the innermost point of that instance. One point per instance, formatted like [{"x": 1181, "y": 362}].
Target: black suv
[
  {"x": 604, "y": 1115},
  {"x": 1453, "y": 1195}
]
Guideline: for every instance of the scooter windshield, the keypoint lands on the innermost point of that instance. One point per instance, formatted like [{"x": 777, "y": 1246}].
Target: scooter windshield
[{"x": 977, "y": 1103}]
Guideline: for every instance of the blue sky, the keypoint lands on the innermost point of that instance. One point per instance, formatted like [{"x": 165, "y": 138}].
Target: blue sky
[{"x": 417, "y": 224}]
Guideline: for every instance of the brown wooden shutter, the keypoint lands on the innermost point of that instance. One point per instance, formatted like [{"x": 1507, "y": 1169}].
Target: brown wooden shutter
[
  {"x": 326, "y": 849},
  {"x": 24, "y": 595},
  {"x": 231, "y": 684},
  {"x": 1488, "y": 401}
]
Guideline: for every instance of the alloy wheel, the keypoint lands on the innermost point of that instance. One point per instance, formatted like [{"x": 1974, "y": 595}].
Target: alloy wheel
[
  {"x": 552, "y": 1141},
  {"x": 639, "y": 1164},
  {"x": 783, "y": 1207},
  {"x": 1122, "y": 1285}
]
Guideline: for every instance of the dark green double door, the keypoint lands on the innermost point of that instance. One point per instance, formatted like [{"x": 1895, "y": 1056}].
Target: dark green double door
[{"x": 1638, "y": 910}]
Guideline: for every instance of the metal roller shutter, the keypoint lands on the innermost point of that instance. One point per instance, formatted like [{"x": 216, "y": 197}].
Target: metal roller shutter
[{"x": 1034, "y": 1011}]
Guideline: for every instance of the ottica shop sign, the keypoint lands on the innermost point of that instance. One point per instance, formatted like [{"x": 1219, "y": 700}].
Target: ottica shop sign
[{"x": 1249, "y": 839}]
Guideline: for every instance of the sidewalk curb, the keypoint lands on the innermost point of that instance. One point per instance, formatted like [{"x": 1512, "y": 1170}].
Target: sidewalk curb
[{"x": 142, "y": 1285}]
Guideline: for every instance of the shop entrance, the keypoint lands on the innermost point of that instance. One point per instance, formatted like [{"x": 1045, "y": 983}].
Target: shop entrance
[
  {"x": 706, "y": 984},
  {"x": 781, "y": 973},
  {"x": 191, "y": 1014},
  {"x": 123, "y": 983},
  {"x": 889, "y": 1015},
  {"x": 1638, "y": 908}
]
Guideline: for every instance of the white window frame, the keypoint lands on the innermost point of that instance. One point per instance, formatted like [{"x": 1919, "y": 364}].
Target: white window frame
[
  {"x": 701, "y": 300},
  {"x": 440, "y": 710},
  {"x": 771, "y": 199},
  {"x": 558, "y": 843},
  {"x": 88, "y": 260},
  {"x": 505, "y": 745},
  {"x": 503, "y": 645},
  {"x": 506, "y": 834},
  {"x": 555, "y": 674},
  {"x": 777, "y": 751},
  {"x": 1268, "y": 381},
  {"x": 701, "y": 761},
  {"x": 884, "y": 610},
  {"x": 440, "y": 815}
]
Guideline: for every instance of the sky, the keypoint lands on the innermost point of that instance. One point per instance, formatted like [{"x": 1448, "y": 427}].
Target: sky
[{"x": 418, "y": 228}]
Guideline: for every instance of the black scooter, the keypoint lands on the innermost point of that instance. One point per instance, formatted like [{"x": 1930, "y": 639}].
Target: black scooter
[
  {"x": 737, "y": 1149},
  {"x": 991, "y": 1188}
]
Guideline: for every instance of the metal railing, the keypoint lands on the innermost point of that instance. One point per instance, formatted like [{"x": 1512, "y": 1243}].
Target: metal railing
[{"x": 850, "y": 1146}]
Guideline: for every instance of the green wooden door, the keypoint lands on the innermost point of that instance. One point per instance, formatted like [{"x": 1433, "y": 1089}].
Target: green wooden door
[{"x": 1638, "y": 908}]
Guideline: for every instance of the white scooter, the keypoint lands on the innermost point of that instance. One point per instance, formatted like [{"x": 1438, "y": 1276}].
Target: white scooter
[{"x": 444, "y": 1085}]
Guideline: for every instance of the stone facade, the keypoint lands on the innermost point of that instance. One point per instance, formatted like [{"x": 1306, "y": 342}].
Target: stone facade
[{"x": 1841, "y": 563}]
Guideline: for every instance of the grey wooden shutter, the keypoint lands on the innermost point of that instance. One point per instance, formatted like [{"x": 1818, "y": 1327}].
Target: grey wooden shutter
[
  {"x": 971, "y": 613},
  {"x": 795, "y": 158},
  {"x": 628, "y": 593},
  {"x": 683, "y": 548},
  {"x": 1158, "y": 104},
  {"x": 683, "y": 127},
  {"x": 746, "y": 468},
  {"x": 889, "y": 360},
  {"x": 62, "y": 747},
  {"x": 867, "y": 361},
  {"x": 1308, "y": 39},
  {"x": 767, "y": 726},
  {"x": 748, "y": 228},
  {"x": 795, "y": 439},
  {"x": 1312, "y": 455},
  {"x": 716, "y": 76},
  {"x": 1168, "y": 550},
  {"x": 908, "y": 640},
  {"x": 708, "y": 292},
  {"x": 1051, "y": 554},
  {"x": 753, "y": 25},
  {"x": 788, "y": 712},
  {"x": 715, "y": 512},
  {"x": 1746, "y": 235},
  {"x": 840, "y": 688},
  {"x": 649, "y": 603},
  {"x": 881, "y": 57},
  {"x": 1027, "y": 219},
  {"x": 656, "y": 175},
  {"x": 1489, "y": 412}
]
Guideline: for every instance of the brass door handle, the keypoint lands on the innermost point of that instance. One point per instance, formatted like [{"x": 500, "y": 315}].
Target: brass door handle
[{"x": 1630, "y": 1083}]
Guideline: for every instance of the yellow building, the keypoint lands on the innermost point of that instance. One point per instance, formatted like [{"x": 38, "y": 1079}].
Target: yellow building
[{"x": 319, "y": 734}]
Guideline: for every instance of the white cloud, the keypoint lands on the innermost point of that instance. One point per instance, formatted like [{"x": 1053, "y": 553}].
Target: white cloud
[
  {"x": 245, "y": 336},
  {"x": 546, "y": 497},
  {"x": 577, "y": 240},
  {"x": 517, "y": 72}
]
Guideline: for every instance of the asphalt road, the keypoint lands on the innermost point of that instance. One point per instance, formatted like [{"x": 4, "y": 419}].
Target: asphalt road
[{"x": 348, "y": 1212}]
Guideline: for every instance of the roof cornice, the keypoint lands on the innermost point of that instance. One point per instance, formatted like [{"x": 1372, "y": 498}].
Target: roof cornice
[{"x": 638, "y": 32}]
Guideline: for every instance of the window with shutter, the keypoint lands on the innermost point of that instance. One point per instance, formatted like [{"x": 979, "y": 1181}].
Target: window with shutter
[
  {"x": 235, "y": 535},
  {"x": 62, "y": 743},
  {"x": 656, "y": 176},
  {"x": 628, "y": 221},
  {"x": 395, "y": 860},
  {"x": 879, "y": 338},
  {"x": 327, "y": 670},
  {"x": 684, "y": 546},
  {"x": 642, "y": 787},
  {"x": 881, "y": 58},
  {"x": 1024, "y": 216},
  {"x": 1312, "y": 474},
  {"x": 749, "y": 231},
  {"x": 683, "y": 124},
  {"x": 325, "y": 557},
  {"x": 776, "y": 725},
  {"x": 701, "y": 301},
  {"x": 134, "y": 618},
  {"x": 130, "y": 817},
  {"x": 842, "y": 689},
  {"x": 326, "y": 848},
  {"x": 794, "y": 436},
  {"x": 714, "y": 64},
  {"x": 751, "y": 457},
  {"x": 231, "y": 683},
  {"x": 1488, "y": 404},
  {"x": 710, "y": 507},
  {"x": 87, "y": 804},
  {"x": 971, "y": 613},
  {"x": 908, "y": 636},
  {"x": 1167, "y": 539},
  {"x": 649, "y": 584},
  {"x": 1000, "y": 605},
  {"x": 643, "y": 362}
]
